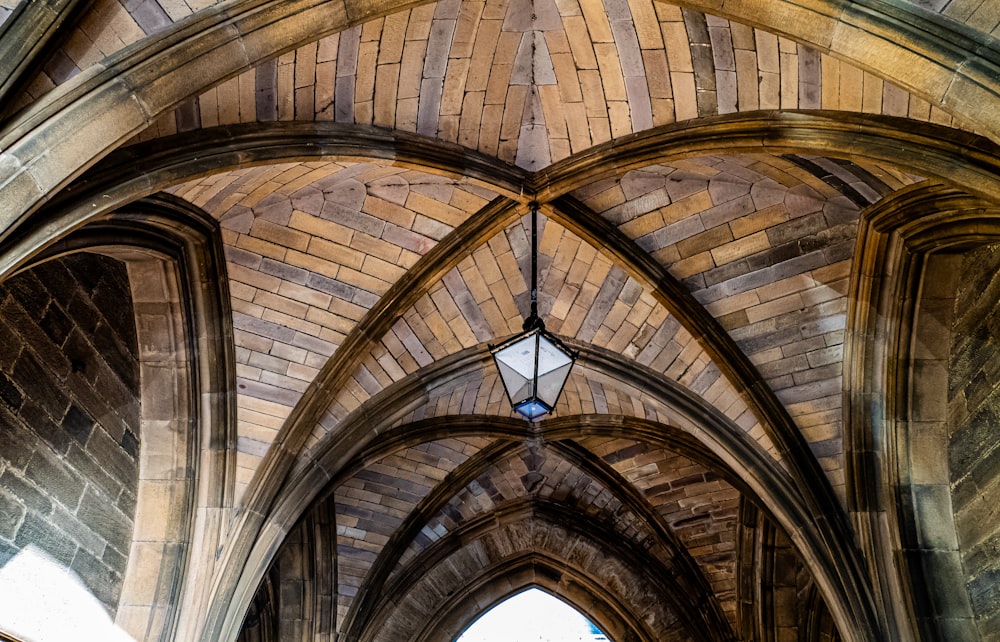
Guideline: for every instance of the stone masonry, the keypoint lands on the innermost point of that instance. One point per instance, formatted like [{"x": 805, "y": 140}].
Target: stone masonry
[{"x": 69, "y": 415}]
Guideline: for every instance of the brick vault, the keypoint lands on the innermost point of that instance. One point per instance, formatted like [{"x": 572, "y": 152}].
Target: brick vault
[{"x": 253, "y": 253}]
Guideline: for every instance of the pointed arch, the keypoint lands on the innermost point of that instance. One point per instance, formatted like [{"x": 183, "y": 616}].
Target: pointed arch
[
  {"x": 826, "y": 556},
  {"x": 95, "y": 112},
  {"x": 685, "y": 583},
  {"x": 903, "y": 253},
  {"x": 176, "y": 268}
]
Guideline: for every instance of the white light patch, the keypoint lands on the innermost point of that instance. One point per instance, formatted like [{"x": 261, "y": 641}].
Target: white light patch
[
  {"x": 532, "y": 616},
  {"x": 44, "y": 602}
]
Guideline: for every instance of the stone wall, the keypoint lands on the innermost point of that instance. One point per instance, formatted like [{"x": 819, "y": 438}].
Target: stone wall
[
  {"x": 974, "y": 415},
  {"x": 69, "y": 418}
]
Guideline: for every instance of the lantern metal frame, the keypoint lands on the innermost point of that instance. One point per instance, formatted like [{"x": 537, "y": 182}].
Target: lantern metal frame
[{"x": 531, "y": 405}]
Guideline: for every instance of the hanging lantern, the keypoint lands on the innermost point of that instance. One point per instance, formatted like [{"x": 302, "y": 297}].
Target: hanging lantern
[{"x": 534, "y": 365}]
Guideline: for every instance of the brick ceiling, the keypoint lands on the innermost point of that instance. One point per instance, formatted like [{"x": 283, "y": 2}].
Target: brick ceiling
[{"x": 762, "y": 243}]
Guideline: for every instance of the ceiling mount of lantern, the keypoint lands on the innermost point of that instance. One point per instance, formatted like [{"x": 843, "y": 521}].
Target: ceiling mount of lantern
[{"x": 533, "y": 364}]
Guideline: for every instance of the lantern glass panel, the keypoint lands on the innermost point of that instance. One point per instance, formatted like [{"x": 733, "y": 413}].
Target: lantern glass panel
[
  {"x": 520, "y": 356},
  {"x": 517, "y": 386},
  {"x": 551, "y": 384},
  {"x": 550, "y": 357}
]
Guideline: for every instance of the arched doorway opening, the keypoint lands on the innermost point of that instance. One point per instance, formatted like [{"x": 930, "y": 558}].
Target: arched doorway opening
[{"x": 529, "y": 615}]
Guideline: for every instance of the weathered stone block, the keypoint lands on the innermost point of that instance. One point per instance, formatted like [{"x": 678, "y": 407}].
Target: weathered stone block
[
  {"x": 11, "y": 513},
  {"x": 57, "y": 480},
  {"x": 47, "y": 417},
  {"x": 47, "y": 537}
]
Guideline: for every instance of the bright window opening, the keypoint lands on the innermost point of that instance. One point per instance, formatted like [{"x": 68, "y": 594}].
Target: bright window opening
[{"x": 532, "y": 616}]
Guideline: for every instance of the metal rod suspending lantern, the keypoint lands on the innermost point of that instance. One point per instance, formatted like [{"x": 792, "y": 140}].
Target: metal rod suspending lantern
[{"x": 534, "y": 364}]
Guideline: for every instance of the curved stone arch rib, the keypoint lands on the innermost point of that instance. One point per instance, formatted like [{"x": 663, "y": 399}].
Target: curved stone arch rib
[
  {"x": 261, "y": 496},
  {"x": 681, "y": 304},
  {"x": 177, "y": 274},
  {"x": 756, "y": 134},
  {"x": 965, "y": 160},
  {"x": 361, "y": 608},
  {"x": 898, "y": 241},
  {"x": 833, "y": 562},
  {"x": 139, "y": 170},
  {"x": 932, "y": 147},
  {"x": 376, "y": 322},
  {"x": 541, "y": 573},
  {"x": 958, "y": 65},
  {"x": 26, "y": 37},
  {"x": 640, "y": 149},
  {"x": 699, "y": 596},
  {"x": 108, "y": 104},
  {"x": 630, "y": 555}
]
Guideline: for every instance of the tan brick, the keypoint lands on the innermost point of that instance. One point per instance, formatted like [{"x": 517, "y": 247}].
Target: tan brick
[
  {"x": 734, "y": 303},
  {"x": 371, "y": 246},
  {"x": 279, "y": 234},
  {"x": 685, "y": 207},
  {"x": 320, "y": 227},
  {"x": 248, "y": 308},
  {"x": 759, "y": 220},
  {"x": 294, "y": 322},
  {"x": 330, "y": 320},
  {"x": 707, "y": 240},
  {"x": 740, "y": 248},
  {"x": 580, "y": 43},
  {"x": 381, "y": 270},
  {"x": 774, "y": 308},
  {"x": 286, "y": 306},
  {"x": 334, "y": 252},
  {"x": 253, "y": 277},
  {"x": 678, "y": 47},
  {"x": 785, "y": 287},
  {"x": 689, "y": 266},
  {"x": 611, "y": 71},
  {"x": 305, "y": 295},
  {"x": 363, "y": 281}
]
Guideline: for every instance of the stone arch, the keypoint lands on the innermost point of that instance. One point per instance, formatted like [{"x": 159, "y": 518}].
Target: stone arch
[
  {"x": 21, "y": 48},
  {"x": 562, "y": 554},
  {"x": 897, "y": 439},
  {"x": 961, "y": 159},
  {"x": 174, "y": 262},
  {"x": 686, "y": 586},
  {"x": 758, "y": 474},
  {"x": 831, "y": 23},
  {"x": 775, "y": 137},
  {"x": 745, "y": 132},
  {"x": 107, "y": 107}
]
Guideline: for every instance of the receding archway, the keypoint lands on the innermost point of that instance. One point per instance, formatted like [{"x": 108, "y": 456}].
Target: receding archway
[{"x": 362, "y": 431}]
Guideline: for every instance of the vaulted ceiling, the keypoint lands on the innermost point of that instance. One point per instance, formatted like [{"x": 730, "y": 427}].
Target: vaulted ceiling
[{"x": 343, "y": 190}]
